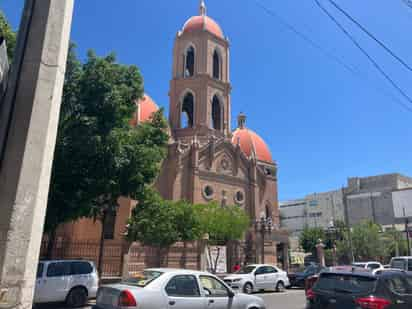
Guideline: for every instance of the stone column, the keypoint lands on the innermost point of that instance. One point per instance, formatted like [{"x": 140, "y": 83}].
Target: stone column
[
  {"x": 320, "y": 250},
  {"x": 33, "y": 100}
]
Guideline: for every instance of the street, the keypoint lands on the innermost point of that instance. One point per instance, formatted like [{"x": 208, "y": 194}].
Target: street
[{"x": 291, "y": 299}]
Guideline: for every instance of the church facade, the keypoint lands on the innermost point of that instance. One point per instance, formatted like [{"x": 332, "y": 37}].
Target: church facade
[{"x": 207, "y": 160}]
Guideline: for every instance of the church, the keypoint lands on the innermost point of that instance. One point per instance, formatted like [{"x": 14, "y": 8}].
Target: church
[{"x": 207, "y": 160}]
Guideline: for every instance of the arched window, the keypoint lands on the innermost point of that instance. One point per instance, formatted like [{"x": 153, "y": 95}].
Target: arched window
[
  {"x": 187, "y": 111},
  {"x": 216, "y": 65},
  {"x": 216, "y": 114},
  {"x": 190, "y": 62},
  {"x": 268, "y": 211}
]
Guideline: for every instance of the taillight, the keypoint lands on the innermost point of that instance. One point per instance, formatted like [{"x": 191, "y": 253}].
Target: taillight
[
  {"x": 126, "y": 299},
  {"x": 372, "y": 302},
  {"x": 310, "y": 295}
]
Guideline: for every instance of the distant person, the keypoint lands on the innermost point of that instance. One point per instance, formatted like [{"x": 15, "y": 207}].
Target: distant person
[{"x": 236, "y": 268}]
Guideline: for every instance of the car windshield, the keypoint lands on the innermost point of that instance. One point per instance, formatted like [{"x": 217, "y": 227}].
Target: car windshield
[
  {"x": 398, "y": 263},
  {"x": 246, "y": 270},
  {"x": 361, "y": 265},
  {"x": 142, "y": 279},
  {"x": 310, "y": 269},
  {"x": 344, "y": 283}
]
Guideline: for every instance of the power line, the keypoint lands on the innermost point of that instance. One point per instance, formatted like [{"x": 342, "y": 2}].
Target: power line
[
  {"x": 392, "y": 53},
  {"x": 408, "y": 3},
  {"x": 375, "y": 64},
  {"x": 330, "y": 55},
  {"x": 305, "y": 37}
]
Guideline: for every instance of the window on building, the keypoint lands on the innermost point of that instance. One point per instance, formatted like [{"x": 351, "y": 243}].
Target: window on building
[
  {"x": 109, "y": 224},
  {"x": 187, "y": 111},
  {"x": 216, "y": 65},
  {"x": 190, "y": 62},
  {"x": 216, "y": 114}
]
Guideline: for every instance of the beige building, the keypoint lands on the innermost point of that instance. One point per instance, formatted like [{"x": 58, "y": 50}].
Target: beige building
[{"x": 207, "y": 160}]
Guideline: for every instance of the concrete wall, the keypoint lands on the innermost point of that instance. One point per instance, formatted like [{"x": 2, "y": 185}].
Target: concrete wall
[{"x": 315, "y": 210}]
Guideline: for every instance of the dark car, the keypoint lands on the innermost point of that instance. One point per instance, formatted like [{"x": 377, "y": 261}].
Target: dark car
[
  {"x": 298, "y": 279},
  {"x": 361, "y": 290}
]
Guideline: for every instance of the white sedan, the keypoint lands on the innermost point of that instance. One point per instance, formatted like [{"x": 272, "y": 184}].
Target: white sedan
[
  {"x": 256, "y": 277},
  {"x": 173, "y": 289}
]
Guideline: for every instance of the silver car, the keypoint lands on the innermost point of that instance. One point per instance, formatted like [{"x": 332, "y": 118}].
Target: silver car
[{"x": 164, "y": 288}]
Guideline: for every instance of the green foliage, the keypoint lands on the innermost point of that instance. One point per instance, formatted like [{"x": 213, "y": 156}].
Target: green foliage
[
  {"x": 222, "y": 223},
  {"x": 309, "y": 238},
  {"x": 153, "y": 221},
  {"x": 370, "y": 243},
  {"x": 10, "y": 36},
  {"x": 160, "y": 223},
  {"x": 366, "y": 241},
  {"x": 99, "y": 156}
]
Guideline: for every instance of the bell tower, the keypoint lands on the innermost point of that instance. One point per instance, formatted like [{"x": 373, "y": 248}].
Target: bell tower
[{"x": 200, "y": 87}]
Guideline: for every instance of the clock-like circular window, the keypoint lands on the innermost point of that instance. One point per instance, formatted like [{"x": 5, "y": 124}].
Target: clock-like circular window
[
  {"x": 208, "y": 192},
  {"x": 239, "y": 197}
]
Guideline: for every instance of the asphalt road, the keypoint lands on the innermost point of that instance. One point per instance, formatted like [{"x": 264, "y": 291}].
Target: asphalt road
[{"x": 291, "y": 299}]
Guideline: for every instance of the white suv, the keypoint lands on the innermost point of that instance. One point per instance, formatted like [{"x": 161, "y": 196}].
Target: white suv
[
  {"x": 372, "y": 265},
  {"x": 73, "y": 282},
  {"x": 252, "y": 278}
]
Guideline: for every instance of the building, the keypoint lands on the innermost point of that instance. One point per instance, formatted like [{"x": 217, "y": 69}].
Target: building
[
  {"x": 206, "y": 160},
  {"x": 320, "y": 210},
  {"x": 380, "y": 199},
  {"x": 370, "y": 198}
]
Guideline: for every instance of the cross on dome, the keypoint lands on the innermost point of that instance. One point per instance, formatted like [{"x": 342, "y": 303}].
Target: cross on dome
[{"x": 202, "y": 8}]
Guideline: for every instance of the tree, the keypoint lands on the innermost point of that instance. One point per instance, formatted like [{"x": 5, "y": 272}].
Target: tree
[
  {"x": 366, "y": 241},
  {"x": 99, "y": 156},
  {"x": 221, "y": 224},
  {"x": 8, "y": 34},
  {"x": 159, "y": 223},
  {"x": 309, "y": 238}
]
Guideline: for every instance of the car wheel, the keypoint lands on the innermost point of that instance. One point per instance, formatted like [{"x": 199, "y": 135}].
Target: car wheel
[
  {"x": 280, "y": 287},
  {"x": 76, "y": 298},
  {"x": 248, "y": 288}
]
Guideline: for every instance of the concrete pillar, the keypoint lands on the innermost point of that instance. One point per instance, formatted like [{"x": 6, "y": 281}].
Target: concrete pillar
[
  {"x": 320, "y": 250},
  {"x": 34, "y": 95}
]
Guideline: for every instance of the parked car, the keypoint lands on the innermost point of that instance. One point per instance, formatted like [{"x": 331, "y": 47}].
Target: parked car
[
  {"x": 368, "y": 265},
  {"x": 175, "y": 289},
  {"x": 73, "y": 282},
  {"x": 402, "y": 262},
  {"x": 256, "y": 277},
  {"x": 361, "y": 290},
  {"x": 310, "y": 281},
  {"x": 298, "y": 279}
]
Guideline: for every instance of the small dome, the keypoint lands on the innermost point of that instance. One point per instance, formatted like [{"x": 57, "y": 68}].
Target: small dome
[
  {"x": 250, "y": 142},
  {"x": 197, "y": 23},
  {"x": 145, "y": 109}
]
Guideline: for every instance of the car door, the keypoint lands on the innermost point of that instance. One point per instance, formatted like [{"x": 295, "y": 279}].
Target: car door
[
  {"x": 271, "y": 277},
  {"x": 183, "y": 292},
  {"x": 260, "y": 279},
  {"x": 56, "y": 282},
  {"x": 217, "y": 294},
  {"x": 401, "y": 289}
]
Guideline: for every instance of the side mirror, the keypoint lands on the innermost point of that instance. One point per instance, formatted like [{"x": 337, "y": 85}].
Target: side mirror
[{"x": 231, "y": 294}]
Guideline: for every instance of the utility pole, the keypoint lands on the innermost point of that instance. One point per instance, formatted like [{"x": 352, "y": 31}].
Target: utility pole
[
  {"x": 407, "y": 231},
  {"x": 29, "y": 118},
  {"x": 345, "y": 207}
]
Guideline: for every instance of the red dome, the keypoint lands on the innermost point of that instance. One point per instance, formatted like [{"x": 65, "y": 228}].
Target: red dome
[
  {"x": 197, "y": 23},
  {"x": 249, "y": 141},
  {"x": 145, "y": 109}
]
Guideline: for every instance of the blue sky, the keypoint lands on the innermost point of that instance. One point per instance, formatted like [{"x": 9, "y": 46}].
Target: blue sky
[{"x": 322, "y": 123}]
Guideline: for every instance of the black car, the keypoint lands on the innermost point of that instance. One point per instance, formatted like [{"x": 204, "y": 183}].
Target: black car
[
  {"x": 298, "y": 279},
  {"x": 361, "y": 290}
]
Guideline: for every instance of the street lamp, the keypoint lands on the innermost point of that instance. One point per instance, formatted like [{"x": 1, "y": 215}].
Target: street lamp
[{"x": 264, "y": 225}]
